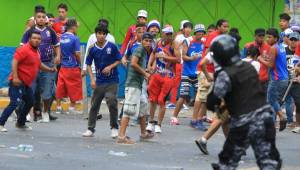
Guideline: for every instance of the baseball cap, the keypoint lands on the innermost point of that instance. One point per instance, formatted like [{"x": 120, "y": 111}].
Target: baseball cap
[
  {"x": 153, "y": 23},
  {"x": 260, "y": 31},
  {"x": 199, "y": 28},
  {"x": 168, "y": 29},
  {"x": 295, "y": 28},
  {"x": 142, "y": 13},
  {"x": 287, "y": 32},
  {"x": 147, "y": 35},
  {"x": 182, "y": 23},
  {"x": 294, "y": 35}
]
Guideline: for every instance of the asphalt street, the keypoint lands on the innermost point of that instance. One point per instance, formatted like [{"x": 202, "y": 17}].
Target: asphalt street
[{"x": 59, "y": 146}]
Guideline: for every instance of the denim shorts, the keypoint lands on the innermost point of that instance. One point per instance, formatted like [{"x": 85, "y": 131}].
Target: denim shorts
[
  {"x": 46, "y": 83},
  {"x": 276, "y": 90}
]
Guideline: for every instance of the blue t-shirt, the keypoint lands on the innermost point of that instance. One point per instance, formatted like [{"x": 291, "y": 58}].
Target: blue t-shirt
[
  {"x": 69, "y": 44},
  {"x": 130, "y": 49},
  {"x": 102, "y": 58},
  {"x": 190, "y": 67},
  {"x": 279, "y": 71},
  {"x": 49, "y": 39}
]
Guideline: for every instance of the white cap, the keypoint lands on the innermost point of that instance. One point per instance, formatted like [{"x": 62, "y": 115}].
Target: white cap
[
  {"x": 287, "y": 32},
  {"x": 142, "y": 13},
  {"x": 168, "y": 29},
  {"x": 182, "y": 23},
  {"x": 153, "y": 23},
  {"x": 199, "y": 27}
]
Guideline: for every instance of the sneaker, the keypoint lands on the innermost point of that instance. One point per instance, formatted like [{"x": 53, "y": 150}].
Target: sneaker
[
  {"x": 200, "y": 126},
  {"x": 37, "y": 115},
  {"x": 2, "y": 129},
  {"x": 59, "y": 110},
  {"x": 185, "y": 107},
  {"x": 170, "y": 106},
  {"x": 45, "y": 118},
  {"x": 202, "y": 146},
  {"x": 150, "y": 127},
  {"x": 23, "y": 127},
  {"x": 296, "y": 129},
  {"x": 125, "y": 140},
  {"x": 114, "y": 133},
  {"x": 88, "y": 133},
  {"x": 99, "y": 116},
  {"x": 194, "y": 124},
  {"x": 72, "y": 110},
  {"x": 52, "y": 118},
  {"x": 174, "y": 121},
  {"x": 282, "y": 124},
  {"x": 147, "y": 135},
  {"x": 157, "y": 129},
  {"x": 206, "y": 119},
  {"x": 28, "y": 118}
]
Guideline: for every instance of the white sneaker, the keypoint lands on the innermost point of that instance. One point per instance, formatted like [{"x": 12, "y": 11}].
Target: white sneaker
[
  {"x": 28, "y": 118},
  {"x": 157, "y": 129},
  {"x": 59, "y": 110},
  {"x": 45, "y": 118},
  {"x": 2, "y": 129},
  {"x": 88, "y": 133},
  {"x": 114, "y": 133},
  {"x": 150, "y": 127},
  {"x": 72, "y": 110},
  {"x": 185, "y": 107},
  {"x": 296, "y": 130}
]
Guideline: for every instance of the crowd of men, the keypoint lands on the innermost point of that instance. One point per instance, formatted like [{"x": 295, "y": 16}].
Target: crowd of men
[{"x": 247, "y": 88}]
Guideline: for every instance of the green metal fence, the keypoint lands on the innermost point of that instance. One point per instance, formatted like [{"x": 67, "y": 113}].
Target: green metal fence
[{"x": 244, "y": 14}]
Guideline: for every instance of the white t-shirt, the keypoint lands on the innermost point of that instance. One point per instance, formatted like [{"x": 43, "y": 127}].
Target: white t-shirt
[
  {"x": 209, "y": 57},
  {"x": 254, "y": 63},
  {"x": 179, "y": 40},
  {"x": 92, "y": 40}
]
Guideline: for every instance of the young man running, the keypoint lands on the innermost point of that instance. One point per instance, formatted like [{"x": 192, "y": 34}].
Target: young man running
[
  {"x": 106, "y": 57},
  {"x": 25, "y": 67},
  {"x": 45, "y": 80},
  {"x": 207, "y": 68},
  {"x": 134, "y": 105}
]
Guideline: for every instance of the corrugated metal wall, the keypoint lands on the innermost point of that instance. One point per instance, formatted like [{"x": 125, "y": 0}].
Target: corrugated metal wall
[{"x": 244, "y": 14}]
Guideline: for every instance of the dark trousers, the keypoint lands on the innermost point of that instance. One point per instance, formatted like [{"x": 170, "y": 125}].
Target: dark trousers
[
  {"x": 260, "y": 134},
  {"x": 109, "y": 92},
  {"x": 21, "y": 97}
]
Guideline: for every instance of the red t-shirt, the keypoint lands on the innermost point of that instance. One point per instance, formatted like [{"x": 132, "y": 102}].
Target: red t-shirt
[
  {"x": 59, "y": 27},
  {"x": 130, "y": 35},
  {"x": 209, "y": 39},
  {"x": 264, "y": 49},
  {"x": 28, "y": 64},
  {"x": 297, "y": 51}
]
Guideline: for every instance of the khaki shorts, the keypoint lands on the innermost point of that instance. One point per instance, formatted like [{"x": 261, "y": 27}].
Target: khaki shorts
[
  {"x": 134, "y": 104},
  {"x": 203, "y": 88},
  {"x": 223, "y": 116}
]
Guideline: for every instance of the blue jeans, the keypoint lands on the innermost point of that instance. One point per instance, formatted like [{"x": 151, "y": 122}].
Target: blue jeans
[
  {"x": 19, "y": 95},
  {"x": 289, "y": 107},
  {"x": 276, "y": 90}
]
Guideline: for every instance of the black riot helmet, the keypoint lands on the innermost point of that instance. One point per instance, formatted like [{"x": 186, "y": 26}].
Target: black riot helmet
[{"x": 225, "y": 50}]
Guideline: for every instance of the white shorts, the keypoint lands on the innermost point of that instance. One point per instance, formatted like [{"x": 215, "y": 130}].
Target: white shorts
[{"x": 134, "y": 105}]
